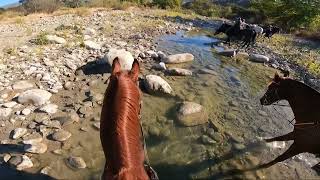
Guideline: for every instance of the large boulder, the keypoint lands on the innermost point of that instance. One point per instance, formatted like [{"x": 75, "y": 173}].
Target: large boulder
[
  {"x": 156, "y": 85},
  {"x": 258, "y": 58},
  {"x": 191, "y": 114},
  {"x": 35, "y": 96},
  {"x": 125, "y": 58},
  {"x": 178, "y": 58}
]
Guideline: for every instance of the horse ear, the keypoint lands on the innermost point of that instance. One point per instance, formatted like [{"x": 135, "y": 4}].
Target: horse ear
[
  {"x": 135, "y": 70},
  {"x": 116, "y": 67},
  {"x": 276, "y": 78}
]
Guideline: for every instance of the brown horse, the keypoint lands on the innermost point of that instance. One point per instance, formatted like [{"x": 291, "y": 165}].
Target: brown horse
[
  {"x": 120, "y": 131},
  {"x": 305, "y": 104}
]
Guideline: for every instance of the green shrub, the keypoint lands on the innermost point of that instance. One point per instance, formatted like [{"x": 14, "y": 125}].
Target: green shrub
[
  {"x": 41, "y": 39},
  {"x": 168, "y": 3}
]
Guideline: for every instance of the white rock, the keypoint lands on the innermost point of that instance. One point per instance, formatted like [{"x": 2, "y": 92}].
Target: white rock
[
  {"x": 49, "y": 108},
  {"x": 61, "y": 135},
  {"x": 19, "y": 132},
  {"x": 179, "y": 72},
  {"x": 71, "y": 65},
  {"x": 178, "y": 58},
  {"x": 35, "y": 96},
  {"x": 155, "y": 84},
  {"x": 125, "y": 58},
  {"x": 6, "y": 157},
  {"x": 91, "y": 45},
  {"x": 5, "y": 112},
  {"x": 55, "y": 39},
  {"x": 191, "y": 114},
  {"x": 258, "y": 58},
  {"x": 76, "y": 162},
  {"x": 10, "y": 104},
  {"x": 20, "y": 85},
  {"x": 37, "y": 148},
  {"x": 89, "y": 32},
  {"x": 26, "y": 111}
]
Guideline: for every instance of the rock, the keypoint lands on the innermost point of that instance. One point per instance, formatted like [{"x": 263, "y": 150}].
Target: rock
[
  {"x": 46, "y": 170},
  {"x": 161, "y": 66},
  {"x": 21, "y": 162},
  {"x": 37, "y": 148},
  {"x": 91, "y": 45},
  {"x": 5, "y": 112},
  {"x": 33, "y": 138},
  {"x": 61, "y": 135},
  {"x": 207, "y": 140},
  {"x": 262, "y": 113},
  {"x": 6, "y": 157},
  {"x": 258, "y": 58},
  {"x": 19, "y": 132},
  {"x": 49, "y": 108},
  {"x": 230, "y": 116},
  {"x": 35, "y": 96},
  {"x": 207, "y": 71},
  {"x": 10, "y": 104},
  {"x": 89, "y": 31},
  {"x": 76, "y": 162},
  {"x": 242, "y": 55},
  {"x": 191, "y": 114},
  {"x": 161, "y": 55},
  {"x": 233, "y": 103},
  {"x": 217, "y": 137},
  {"x": 71, "y": 65},
  {"x": 154, "y": 131},
  {"x": 178, "y": 58},
  {"x": 96, "y": 125},
  {"x": 152, "y": 54},
  {"x": 125, "y": 58},
  {"x": 157, "y": 85},
  {"x": 179, "y": 72},
  {"x": 55, "y": 39},
  {"x": 228, "y": 53},
  {"x": 26, "y": 111},
  {"x": 21, "y": 85}
]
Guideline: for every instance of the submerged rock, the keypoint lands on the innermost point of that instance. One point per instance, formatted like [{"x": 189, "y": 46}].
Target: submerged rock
[
  {"x": 178, "y": 58},
  {"x": 157, "y": 85},
  {"x": 207, "y": 71},
  {"x": 76, "y": 162},
  {"x": 35, "y": 96},
  {"x": 179, "y": 72},
  {"x": 125, "y": 58},
  {"x": 258, "y": 58},
  {"x": 191, "y": 114}
]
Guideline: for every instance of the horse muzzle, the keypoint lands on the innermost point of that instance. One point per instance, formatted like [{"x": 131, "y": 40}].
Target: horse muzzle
[{"x": 264, "y": 101}]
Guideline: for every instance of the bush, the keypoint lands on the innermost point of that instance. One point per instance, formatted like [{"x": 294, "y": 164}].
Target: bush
[
  {"x": 33, "y": 6},
  {"x": 168, "y": 3}
]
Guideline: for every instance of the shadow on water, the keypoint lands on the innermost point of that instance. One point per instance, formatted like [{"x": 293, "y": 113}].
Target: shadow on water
[
  {"x": 8, "y": 173},
  {"x": 11, "y": 148}
]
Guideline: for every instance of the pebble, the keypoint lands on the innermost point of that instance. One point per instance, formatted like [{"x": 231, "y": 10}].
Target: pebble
[
  {"x": 18, "y": 133},
  {"x": 26, "y": 111},
  {"x": 76, "y": 162},
  {"x": 61, "y": 135},
  {"x": 96, "y": 125},
  {"x": 49, "y": 108},
  {"x": 37, "y": 148},
  {"x": 21, "y": 162}
]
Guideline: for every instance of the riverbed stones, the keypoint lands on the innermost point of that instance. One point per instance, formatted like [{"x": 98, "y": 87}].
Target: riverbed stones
[
  {"x": 228, "y": 53},
  {"x": 18, "y": 133},
  {"x": 35, "y": 96},
  {"x": 22, "y": 85},
  {"x": 125, "y": 58},
  {"x": 258, "y": 58},
  {"x": 5, "y": 112},
  {"x": 179, "y": 72},
  {"x": 207, "y": 140},
  {"x": 55, "y": 39},
  {"x": 207, "y": 71},
  {"x": 61, "y": 135},
  {"x": 191, "y": 114},
  {"x": 37, "y": 148},
  {"x": 91, "y": 45},
  {"x": 161, "y": 66},
  {"x": 156, "y": 85},
  {"x": 76, "y": 162},
  {"x": 178, "y": 58},
  {"x": 21, "y": 162},
  {"x": 10, "y": 104},
  {"x": 49, "y": 108}
]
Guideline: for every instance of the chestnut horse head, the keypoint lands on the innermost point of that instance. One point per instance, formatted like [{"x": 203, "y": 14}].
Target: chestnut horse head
[{"x": 120, "y": 131}]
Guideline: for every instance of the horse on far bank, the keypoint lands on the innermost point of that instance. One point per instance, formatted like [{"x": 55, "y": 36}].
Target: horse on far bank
[
  {"x": 121, "y": 132},
  {"x": 305, "y": 104}
]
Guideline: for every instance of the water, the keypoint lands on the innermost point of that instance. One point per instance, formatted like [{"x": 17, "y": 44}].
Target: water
[{"x": 236, "y": 121}]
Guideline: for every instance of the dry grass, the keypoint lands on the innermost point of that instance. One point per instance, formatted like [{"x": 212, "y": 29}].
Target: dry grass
[{"x": 6, "y": 15}]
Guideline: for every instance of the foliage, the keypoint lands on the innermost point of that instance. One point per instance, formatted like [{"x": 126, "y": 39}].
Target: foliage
[
  {"x": 289, "y": 13},
  {"x": 168, "y": 3},
  {"x": 41, "y": 39},
  {"x": 33, "y": 6}
]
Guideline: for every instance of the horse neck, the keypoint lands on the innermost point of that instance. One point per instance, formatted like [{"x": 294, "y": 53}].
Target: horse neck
[
  {"x": 120, "y": 130},
  {"x": 299, "y": 96}
]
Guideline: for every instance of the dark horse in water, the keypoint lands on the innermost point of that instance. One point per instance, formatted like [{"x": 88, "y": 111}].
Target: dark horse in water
[
  {"x": 238, "y": 31},
  {"x": 121, "y": 133},
  {"x": 305, "y": 104}
]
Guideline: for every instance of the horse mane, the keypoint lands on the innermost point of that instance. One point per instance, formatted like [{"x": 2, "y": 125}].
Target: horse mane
[
  {"x": 120, "y": 128},
  {"x": 301, "y": 85}
]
